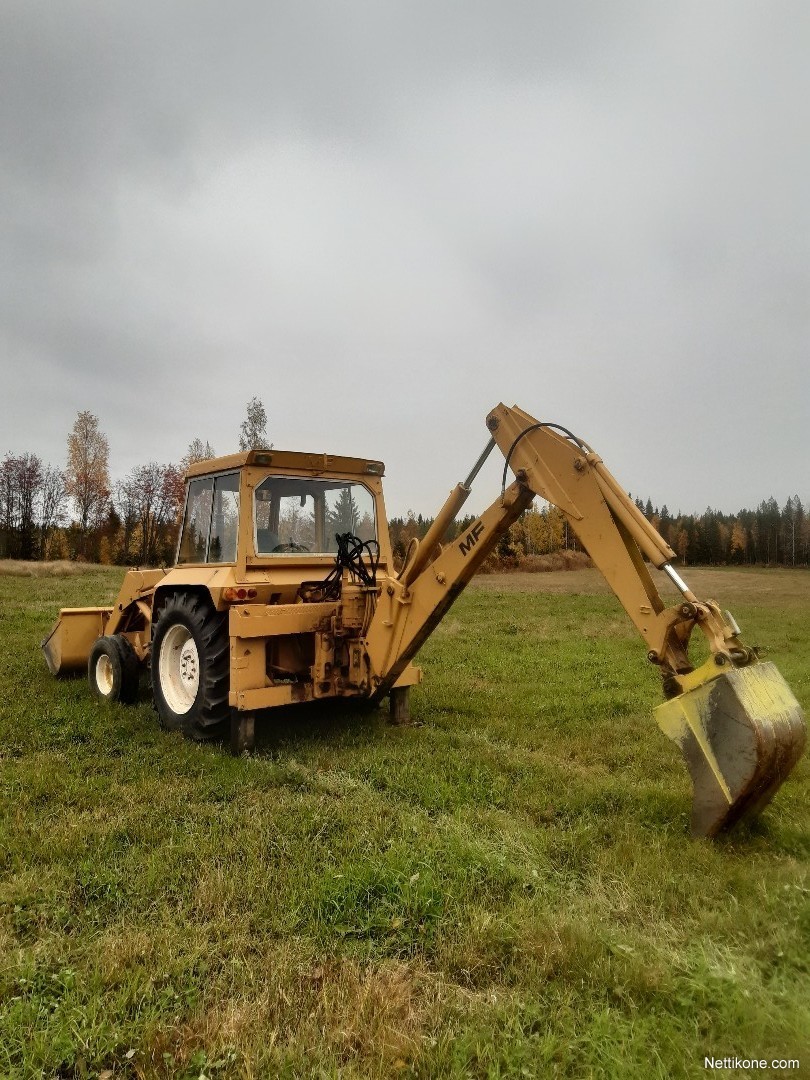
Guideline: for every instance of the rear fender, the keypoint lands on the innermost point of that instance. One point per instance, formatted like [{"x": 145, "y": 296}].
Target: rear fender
[{"x": 165, "y": 593}]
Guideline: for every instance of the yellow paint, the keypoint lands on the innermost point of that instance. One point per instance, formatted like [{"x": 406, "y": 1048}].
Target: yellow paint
[{"x": 690, "y": 711}]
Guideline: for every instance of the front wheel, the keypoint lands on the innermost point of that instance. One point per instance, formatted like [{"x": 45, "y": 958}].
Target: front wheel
[
  {"x": 113, "y": 669},
  {"x": 191, "y": 667}
]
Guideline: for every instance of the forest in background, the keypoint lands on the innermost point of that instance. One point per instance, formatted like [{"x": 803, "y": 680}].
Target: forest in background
[
  {"x": 541, "y": 539},
  {"x": 78, "y": 512}
]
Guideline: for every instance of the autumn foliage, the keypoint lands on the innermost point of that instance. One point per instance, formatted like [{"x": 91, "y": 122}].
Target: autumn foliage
[
  {"x": 79, "y": 513},
  {"x": 541, "y": 539}
]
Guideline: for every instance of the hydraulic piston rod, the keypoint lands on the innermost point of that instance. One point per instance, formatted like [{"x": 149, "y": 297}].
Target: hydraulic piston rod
[
  {"x": 678, "y": 582},
  {"x": 443, "y": 520}
]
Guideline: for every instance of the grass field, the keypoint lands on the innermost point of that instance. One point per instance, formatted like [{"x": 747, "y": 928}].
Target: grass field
[{"x": 505, "y": 889}]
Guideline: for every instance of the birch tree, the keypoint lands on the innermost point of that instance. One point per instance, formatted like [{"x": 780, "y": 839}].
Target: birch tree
[{"x": 87, "y": 477}]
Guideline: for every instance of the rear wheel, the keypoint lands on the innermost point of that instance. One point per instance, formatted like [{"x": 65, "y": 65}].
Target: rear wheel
[
  {"x": 191, "y": 667},
  {"x": 113, "y": 669}
]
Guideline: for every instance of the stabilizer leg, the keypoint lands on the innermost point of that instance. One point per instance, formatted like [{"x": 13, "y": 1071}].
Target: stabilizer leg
[
  {"x": 400, "y": 704},
  {"x": 243, "y": 732}
]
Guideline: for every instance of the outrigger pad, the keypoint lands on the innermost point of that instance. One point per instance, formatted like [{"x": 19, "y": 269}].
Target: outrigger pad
[{"x": 741, "y": 732}]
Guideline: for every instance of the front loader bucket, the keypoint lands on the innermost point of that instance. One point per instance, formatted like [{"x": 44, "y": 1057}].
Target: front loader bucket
[
  {"x": 67, "y": 647},
  {"x": 741, "y": 732}
]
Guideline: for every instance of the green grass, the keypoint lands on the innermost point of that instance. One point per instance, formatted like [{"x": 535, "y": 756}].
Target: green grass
[{"x": 506, "y": 889}]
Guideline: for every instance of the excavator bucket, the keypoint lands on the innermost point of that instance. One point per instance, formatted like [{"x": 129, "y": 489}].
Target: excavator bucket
[{"x": 741, "y": 732}]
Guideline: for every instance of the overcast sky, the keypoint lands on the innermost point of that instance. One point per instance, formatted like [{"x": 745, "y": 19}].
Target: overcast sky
[{"x": 384, "y": 218}]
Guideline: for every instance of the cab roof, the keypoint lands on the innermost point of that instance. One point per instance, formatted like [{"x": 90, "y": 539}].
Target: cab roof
[{"x": 282, "y": 461}]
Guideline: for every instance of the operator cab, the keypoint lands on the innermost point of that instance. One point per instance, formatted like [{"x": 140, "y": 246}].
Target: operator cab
[{"x": 236, "y": 507}]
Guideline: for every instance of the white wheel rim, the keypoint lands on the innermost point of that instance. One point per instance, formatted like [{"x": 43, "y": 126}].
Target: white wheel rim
[
  {"x": 104, "y": 675},
  {"x": 179, "y": 669}
]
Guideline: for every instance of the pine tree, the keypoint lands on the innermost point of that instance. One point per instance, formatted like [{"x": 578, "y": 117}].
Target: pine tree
[{"x": 344, "y": 516}]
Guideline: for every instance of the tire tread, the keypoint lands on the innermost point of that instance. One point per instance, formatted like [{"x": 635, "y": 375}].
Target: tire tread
[{"x": 209, "y": 718}]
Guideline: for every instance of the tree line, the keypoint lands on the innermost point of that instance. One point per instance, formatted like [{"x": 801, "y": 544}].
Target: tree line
[
  {"x": 78, "y": 512},
  {"x": 766, "y": 536},
  {"x": 769, "y": 535}
]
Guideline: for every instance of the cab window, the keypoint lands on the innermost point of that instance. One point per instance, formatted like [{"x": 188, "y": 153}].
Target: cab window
[
  {"x": 297, "y": 515},
  {"x": 196, "y": 521},
  {"x": 211, "y": 520},
  {"x": 224, "y": 520}
]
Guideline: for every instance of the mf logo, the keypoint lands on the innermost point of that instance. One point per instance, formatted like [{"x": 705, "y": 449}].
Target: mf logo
[{"x": 471, "y": 539}]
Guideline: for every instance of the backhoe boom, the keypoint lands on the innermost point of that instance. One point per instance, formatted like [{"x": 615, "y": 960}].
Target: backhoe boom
[{"x": 735, "y": 719}]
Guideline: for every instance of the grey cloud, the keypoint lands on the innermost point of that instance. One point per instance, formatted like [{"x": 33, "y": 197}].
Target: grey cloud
[{"x": 384, "y": 218}]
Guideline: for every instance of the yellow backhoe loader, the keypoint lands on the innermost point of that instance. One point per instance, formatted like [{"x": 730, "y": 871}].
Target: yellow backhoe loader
[{"x": 284, "y": 590}]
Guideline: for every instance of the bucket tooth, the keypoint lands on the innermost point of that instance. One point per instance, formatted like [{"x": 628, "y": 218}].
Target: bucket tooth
[{"x": 741, "y": 732}]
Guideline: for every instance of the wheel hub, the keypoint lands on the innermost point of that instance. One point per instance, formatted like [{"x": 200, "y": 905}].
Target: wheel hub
[
  {"x": 179, "y": 669},
  {"x": 104, "y": 675},
  {"x": 188, "y": 663}
]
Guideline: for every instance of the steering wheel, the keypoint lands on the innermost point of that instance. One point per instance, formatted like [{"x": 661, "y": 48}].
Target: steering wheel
[{"x": 290, "y": 547}]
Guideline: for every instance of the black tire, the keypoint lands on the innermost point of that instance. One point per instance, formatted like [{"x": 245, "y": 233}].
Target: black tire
[
  {"x": 113, "y": 669},
  {"x": 190, "y": 668}
]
